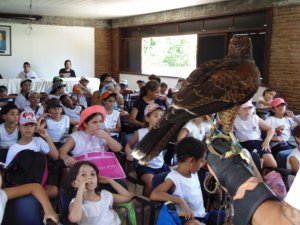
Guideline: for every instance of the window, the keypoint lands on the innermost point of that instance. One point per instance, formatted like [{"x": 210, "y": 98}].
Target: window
[
  {"x": 177, "y": 48},
  {"x": 169, "y": 56}
]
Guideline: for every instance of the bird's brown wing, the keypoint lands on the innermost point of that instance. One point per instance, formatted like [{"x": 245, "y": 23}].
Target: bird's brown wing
[{"x": 214, "y": 87}]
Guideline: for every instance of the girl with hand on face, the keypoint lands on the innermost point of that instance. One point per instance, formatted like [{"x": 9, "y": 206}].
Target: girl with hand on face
[{"x": 91, "y": 205}]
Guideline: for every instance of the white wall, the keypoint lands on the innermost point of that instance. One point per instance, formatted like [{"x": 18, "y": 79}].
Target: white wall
[{"x": 46, "y": 49}]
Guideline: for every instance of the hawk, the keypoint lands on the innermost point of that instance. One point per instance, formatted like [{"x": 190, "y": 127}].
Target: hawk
[{"x": 215, "y": 86}]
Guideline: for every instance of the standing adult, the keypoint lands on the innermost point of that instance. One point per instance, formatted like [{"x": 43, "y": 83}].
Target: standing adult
[
  {"x": 27, "y": 73},
  {"x": 67, "y": 71}
]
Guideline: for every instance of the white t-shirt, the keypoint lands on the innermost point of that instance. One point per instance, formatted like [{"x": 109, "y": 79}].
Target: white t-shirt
[
  {"x": 296, "y": 154},
  {"x": 111, "y": 121},
  {"x": 101, "y": 212},
  {"x": 39, "y": 112},
  {"x": 3, "y": 201},
  {"x": 260, "y": 105},
  {"x": 246, "y": 130},
  {"x": 73, "y": 113},
  {"x": 50, "y": 96},
  {"x": 58, "y": 130},
  {"x": 21, "y": 101},
  {"x": 189, "y": 189},
  {"x": 37, "y": 144},
  {"x": 199, "y": 131},
  {"x": 83, "y": 101},
  {"x": 156, "y": 162},
  {"x": 30, "y": 75},
  {"x": 85, "y": 143},
  {"x": 6, "y": 139},
  {"x": 288, "y": 123},
  {"x": 293, "y": 196}
]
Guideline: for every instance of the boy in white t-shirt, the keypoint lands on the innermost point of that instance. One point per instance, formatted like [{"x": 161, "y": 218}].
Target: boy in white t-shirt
[
  {"x": 55, "y": 123},
  {"x": 21, "y": 100},
  {"x": 70, "y": 109},
  {"x": 9, "y": 129}
]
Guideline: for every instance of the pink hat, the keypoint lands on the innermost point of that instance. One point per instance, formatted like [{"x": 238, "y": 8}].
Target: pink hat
[
  {"x": 26, "y": 118},
  {"x": 247, "y": 104},
  {"x": 152, "y": 107},
  {"x": 89, "y": 111},
  {"x": 277, "y": 101}
]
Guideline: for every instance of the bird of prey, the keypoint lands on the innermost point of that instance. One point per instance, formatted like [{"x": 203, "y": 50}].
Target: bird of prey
[{"x": 215, "y": 86}]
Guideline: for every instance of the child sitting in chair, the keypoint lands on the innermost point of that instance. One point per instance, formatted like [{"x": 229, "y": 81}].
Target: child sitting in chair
[{"x": 182, "y": 185}]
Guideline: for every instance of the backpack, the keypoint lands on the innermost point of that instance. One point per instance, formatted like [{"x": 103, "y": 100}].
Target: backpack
[
  {"x": 126, "y": 213},
  {"x": 168, "y": 215},
  {"x": 27, "y": 166}
]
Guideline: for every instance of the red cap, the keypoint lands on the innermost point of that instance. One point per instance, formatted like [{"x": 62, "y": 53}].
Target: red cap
[
  {"x": 106, "y": 94},
  {"x": 89, "y": 111},
  {"x": 277, "y": 101}
]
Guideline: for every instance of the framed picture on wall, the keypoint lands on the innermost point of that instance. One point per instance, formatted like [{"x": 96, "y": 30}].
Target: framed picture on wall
[{"x": 5, "y": 40}]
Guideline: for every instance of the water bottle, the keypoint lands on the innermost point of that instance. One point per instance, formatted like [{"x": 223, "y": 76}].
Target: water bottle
[{"x": 283, "y": 143}]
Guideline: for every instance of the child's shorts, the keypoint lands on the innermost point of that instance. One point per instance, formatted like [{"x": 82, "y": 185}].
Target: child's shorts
[
  {"x": 255, "y": 144},
  {"x": 141, "y": 170},
  {"x": 211, "y": 218}
]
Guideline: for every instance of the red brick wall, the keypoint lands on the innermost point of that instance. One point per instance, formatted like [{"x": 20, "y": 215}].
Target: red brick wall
[
  {"x": 284, "y": 66},
  {"x": 103, "y": 51},
  {"x": 116, "y": 53}
]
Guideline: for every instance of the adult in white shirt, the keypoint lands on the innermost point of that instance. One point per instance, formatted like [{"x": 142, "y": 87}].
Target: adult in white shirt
[{"x": 27, "y": 72}]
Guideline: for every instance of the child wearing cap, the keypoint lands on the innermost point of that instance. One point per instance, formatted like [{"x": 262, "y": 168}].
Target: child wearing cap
[
  {"x": 283, "y": 121},
  {"x": 57, "y": 90},
  {"x": 9, "y": 129},
  {"x": 112, "y": 123},
  {"x": 55, "y": 123},
  {"x": 247, "y": 129},
  {"x": 34, "y": 99},
  {"x": 153, "y": 112},
  {"x": 21, "y": 100},
  {"x": 27, "y": 127},
  {"x": 89, "y": 137}
]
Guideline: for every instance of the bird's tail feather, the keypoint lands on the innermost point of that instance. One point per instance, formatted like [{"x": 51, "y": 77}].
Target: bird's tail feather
[{"x": 155, "y": 141}]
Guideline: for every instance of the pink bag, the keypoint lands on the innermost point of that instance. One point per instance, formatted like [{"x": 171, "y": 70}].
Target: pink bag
[
  {"x": 275, "y": 182},
  {"x": 106, "y": 162}
]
